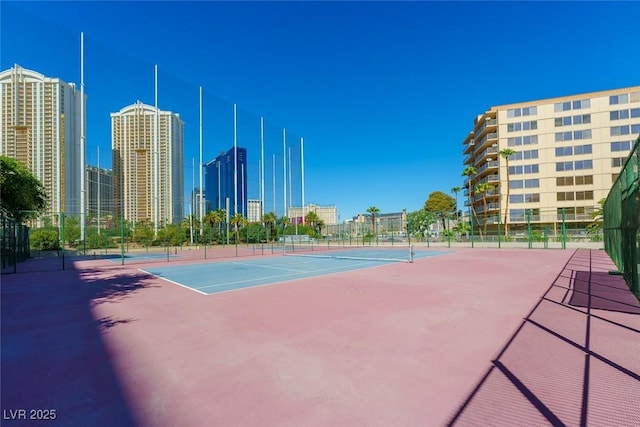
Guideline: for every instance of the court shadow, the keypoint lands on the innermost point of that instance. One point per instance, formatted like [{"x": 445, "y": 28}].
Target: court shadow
[
  {"x": 54, "y": 355},
  {"x": 564, "y": 365}
]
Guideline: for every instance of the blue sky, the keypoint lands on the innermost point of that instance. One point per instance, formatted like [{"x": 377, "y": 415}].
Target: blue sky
[{"x": 382, "y": 92}]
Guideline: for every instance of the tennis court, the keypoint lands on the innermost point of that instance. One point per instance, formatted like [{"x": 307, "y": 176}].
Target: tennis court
[{"x": 211, "y": 278}]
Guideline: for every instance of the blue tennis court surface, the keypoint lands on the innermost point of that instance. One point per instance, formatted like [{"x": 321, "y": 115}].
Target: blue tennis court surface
[{"x": 211, "y": 278}]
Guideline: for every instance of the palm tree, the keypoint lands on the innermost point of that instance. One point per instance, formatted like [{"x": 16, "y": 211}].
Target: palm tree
[
  {"x": 373, "y": 211},
  {"x": 270, "y": 220},
  {"x": 484, "y": 188},
  {"x": 216, "y": 217},
  {"x": 456, "y": 190},
  {"x": 469, "y": 171},
  {"x": 506, "y": 153},
  {"x": 237, "y": 221},
  {"x": 314, "y": 221}
]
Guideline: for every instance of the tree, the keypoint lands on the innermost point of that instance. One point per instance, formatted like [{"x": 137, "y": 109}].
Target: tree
[
  {"x": 238, "y": 220},
  {"x": 22, "y": 196},
  {"x": 484, "y": 188},
  {"x": 270, "y": 219},
  {"x": 470, "y": 171},
  {"x": 216, "y": 218},
  {"x": 314, "y": 222},
  {"x": 506, "y": 153},
  {"x": 418, "y": 222},
  {"x": 441, "y": 205},
  {"x": 598, "y": 218},
  {"x": 373, "y": 211},
  {"x": 456, "y": 190},
  {"x": 71, "y": 229}
]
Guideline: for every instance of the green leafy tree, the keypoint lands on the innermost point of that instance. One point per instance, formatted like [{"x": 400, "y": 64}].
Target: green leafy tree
[
  {"x": 215, "y": 219},
  {"x": 22, "y": 196},
  {"x": 505, "y": 153},
  {"x": 418, "y": 222},
  {"x": 71, "y": 229},
  {"x": 441, "y": 205},
  {"x": 373, "y": 211},
  {"x": 45, "y": 239},
  {"x": 598, "y": 218}
]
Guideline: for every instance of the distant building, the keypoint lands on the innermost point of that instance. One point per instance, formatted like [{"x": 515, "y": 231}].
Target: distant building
[
  {"x": 40, "y": 126},
  {"x": 195, "y": 204},
  {"x": 567, "y": 153},
  {"x": 221, "y": 178},
  {"x": 327, "y": 214},
  {"x": 148, "y": 181},
  {"x": 99, "y": 191},
  {"x": 254, "y": 210}
]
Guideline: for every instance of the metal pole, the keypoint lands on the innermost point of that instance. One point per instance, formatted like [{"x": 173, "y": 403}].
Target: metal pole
[
  {"x": 201, "y": 201},
  {"x": 563, "y": 231},
  {"x": 499, "y": 230},
  {"x": 529, "y": 237}
]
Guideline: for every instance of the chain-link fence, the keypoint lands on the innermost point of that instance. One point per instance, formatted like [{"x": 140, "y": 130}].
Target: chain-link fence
[
  {"x": 622, "y": 220},
  {"x": 14, "y": 243}
]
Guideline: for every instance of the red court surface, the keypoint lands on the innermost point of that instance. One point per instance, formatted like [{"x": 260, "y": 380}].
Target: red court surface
[{"x": 478, "y": 337}]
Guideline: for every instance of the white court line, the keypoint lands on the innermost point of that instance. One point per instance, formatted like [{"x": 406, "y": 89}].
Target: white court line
[
  {"x": 281, "y": 275},
  {"x": 268, "y": 266},
  {"x": 174, "y": 282}
]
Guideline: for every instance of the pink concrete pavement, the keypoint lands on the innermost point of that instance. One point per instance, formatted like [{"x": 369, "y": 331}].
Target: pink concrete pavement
[{"x": 400, "y": 345}]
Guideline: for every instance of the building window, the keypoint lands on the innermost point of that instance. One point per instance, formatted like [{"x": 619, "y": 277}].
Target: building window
[
  {"x": 532, "y": 198},
  {"x": 618, "y": 115},
  {"x": 532, "y": 183},
  {"x": 618, "y": 99},
  {"x": 564, "y": 166},
  {"x": 582, "y": 134},
  {"x": 617, "y": 162},
  {"x": 516, "y": 184},
  {"x": 582, "y": 149},
  {"x": 531, "y": 169},
  {"x": 530, "y": 140},
  {"x": 635, "y": 112},
  {"x": 614, "y": 176},
  {"x": 516, "y": 215},
  {"x": 516, "y": 198},
  {"x": 619, "y": 130},
  {"x": 564, "y": 195},
  {"x": 583, "y": 164},
  {"x": 621, "y": 146},
  {"x": 564, "y": 151},
  {"x": 564, "y": 180},
  {"x": 635, "y": 96},
  {"x": 584, "y": 180},
  {"x": 584, "y": 195},
  {"x": 635, "y": 129}
]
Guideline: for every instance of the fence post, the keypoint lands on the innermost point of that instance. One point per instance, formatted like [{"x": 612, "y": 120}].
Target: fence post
[
  {"x": 62, "y": 237},
  {"x": 529, "y": 237},
  {"x": 499, "y": 231},
  {"x": 563, "y": 231}
]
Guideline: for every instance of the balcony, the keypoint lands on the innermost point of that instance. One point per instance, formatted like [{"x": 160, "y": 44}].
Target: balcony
[
  {"x": 490, "y": 207},
  {"x": 488, "y": 139},
  {"x": 487, "y": 125},
  {"x": 492, "y": 165}
]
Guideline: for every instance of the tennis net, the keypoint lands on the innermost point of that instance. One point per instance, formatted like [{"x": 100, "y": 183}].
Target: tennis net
[{"x": 394, "y": 253}]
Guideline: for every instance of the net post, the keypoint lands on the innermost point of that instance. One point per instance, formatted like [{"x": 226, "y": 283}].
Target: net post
[{"x": 411, "y": 253}]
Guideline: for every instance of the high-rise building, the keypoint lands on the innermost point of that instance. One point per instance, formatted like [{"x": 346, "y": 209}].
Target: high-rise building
[
  {"x": 99, "y": 191},
  {"x": 254, "y": 210},
  {"x": 196, "y": 205},
  {"x": 40, "y": 127},
  {"x": 223, "y": 178},
  {"x": 567, "y": 153},
  {"x": 148, "y": 164}
]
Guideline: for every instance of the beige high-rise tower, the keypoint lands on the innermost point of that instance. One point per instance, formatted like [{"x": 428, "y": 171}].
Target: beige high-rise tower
[
  {"x": 40, "y": 127},
  {"x": 148, "y": 164},
  {"x": 567, "y": 153}
]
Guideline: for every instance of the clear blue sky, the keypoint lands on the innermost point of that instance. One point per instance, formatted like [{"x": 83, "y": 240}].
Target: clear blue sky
[{"x": 382, "y": 92}]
